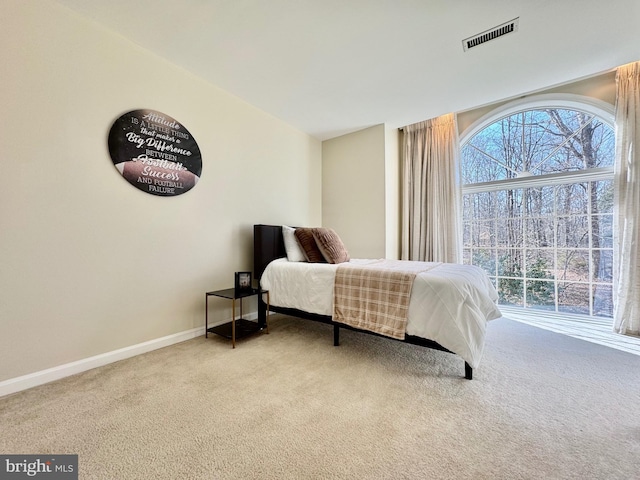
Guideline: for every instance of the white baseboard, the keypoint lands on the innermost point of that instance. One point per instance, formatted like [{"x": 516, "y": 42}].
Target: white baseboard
[
  {"x": 30, "y": 380},
  {"x": 14, "y": 385}
]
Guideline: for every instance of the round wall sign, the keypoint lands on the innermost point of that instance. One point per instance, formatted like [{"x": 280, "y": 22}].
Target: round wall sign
[{"x": 155, "y": 153}]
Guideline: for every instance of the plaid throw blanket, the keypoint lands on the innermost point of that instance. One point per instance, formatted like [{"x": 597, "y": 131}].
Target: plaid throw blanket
[{"x": 375, "y": 297}]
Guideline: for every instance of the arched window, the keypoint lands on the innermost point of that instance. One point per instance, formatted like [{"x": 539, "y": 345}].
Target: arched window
[{"x": 538, "y": 203}]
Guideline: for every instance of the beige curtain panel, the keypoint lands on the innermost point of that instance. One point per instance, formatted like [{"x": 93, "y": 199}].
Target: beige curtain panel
[
  {"x": 431, "y": 191},
  {"x": 626, "y": 312}
]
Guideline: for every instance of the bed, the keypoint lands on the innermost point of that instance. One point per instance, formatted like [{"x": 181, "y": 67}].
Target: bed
[{"x": 448, "y": 309}]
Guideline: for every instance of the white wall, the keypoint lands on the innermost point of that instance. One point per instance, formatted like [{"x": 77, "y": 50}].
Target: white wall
[
  {"x": 360, "y": 191},
  {"x": 89, "y": 264}
]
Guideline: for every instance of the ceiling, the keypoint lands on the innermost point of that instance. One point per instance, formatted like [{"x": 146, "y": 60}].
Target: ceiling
[{"x": 331, "y": 67}]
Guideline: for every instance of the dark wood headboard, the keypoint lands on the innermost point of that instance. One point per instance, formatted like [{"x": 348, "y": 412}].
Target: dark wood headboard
[{"x": 268, "y": 245}]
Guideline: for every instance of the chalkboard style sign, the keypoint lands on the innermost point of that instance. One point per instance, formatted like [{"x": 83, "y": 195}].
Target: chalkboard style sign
[{"x": 155, "y": 153}]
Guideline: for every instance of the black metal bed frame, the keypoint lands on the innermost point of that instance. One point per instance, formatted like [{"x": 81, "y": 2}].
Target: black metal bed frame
[{"x": 268, "y": 245}]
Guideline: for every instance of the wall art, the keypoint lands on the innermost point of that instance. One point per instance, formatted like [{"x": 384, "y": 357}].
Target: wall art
[{"x": 155, "y": 153}]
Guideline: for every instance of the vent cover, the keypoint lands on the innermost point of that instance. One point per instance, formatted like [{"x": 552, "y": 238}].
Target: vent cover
[{"x": 509, "y": 27}]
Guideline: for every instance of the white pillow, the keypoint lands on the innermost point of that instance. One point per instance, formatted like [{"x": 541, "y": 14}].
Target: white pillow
[{"x": 291, "y": 245}]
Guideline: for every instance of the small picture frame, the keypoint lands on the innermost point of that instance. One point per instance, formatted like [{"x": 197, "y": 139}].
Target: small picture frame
[{"x": 243, "y": 281}]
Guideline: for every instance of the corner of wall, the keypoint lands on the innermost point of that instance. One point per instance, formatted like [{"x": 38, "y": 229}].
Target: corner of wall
[{"x": 392, "y": 192}]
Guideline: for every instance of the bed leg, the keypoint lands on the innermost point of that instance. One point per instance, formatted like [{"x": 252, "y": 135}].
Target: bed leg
[
  {"x": 468, "y": 371},
  {"x": 336, "y": 336},
  {"x": 262, "y": 312}
]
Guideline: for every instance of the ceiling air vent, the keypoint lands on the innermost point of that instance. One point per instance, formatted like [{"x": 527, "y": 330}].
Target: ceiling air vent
[{"x": 509, "y": 27}]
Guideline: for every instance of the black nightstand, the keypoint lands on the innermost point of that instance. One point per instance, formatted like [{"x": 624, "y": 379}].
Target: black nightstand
[{"x": 236, "y": 328}]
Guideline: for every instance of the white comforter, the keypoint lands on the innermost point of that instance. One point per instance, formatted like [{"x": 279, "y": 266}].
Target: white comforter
[{"x": 450, "y": 304}]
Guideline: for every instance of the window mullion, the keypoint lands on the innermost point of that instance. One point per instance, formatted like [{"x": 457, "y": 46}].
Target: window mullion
[
  {"x": 555, "y": 248},
  {"x": 592, "y": 174}
]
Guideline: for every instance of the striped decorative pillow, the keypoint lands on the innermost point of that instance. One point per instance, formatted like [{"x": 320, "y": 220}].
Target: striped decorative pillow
[
  {"x": 330, "y": 244},
  {"x": 309, "y": 246}
]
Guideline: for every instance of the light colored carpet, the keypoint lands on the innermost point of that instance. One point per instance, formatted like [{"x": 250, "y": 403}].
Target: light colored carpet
[{"x": 289, "y": 405}]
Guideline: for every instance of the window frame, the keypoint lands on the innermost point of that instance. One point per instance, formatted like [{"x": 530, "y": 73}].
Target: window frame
[{"x": 592, "y": 106}]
